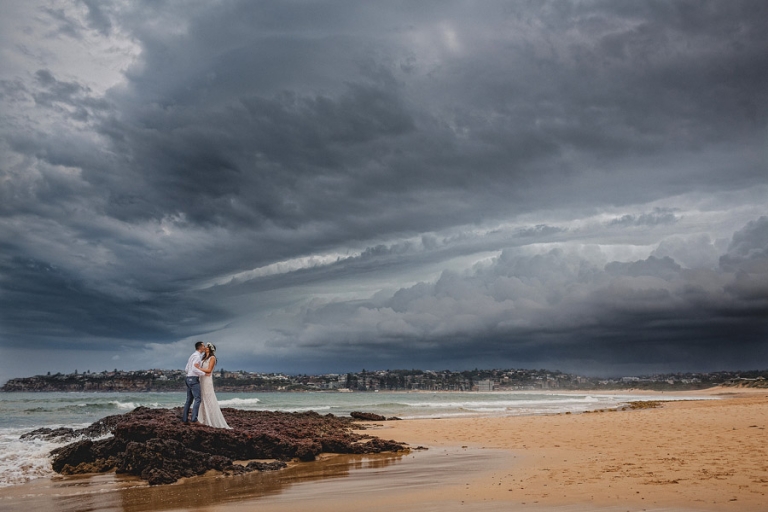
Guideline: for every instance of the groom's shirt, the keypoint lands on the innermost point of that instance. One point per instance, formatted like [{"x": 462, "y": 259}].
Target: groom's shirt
[{"x": 192, "y": 370}]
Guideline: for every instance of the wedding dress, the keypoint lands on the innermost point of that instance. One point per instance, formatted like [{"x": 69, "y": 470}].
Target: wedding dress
[{"x": 210, "y": 413}]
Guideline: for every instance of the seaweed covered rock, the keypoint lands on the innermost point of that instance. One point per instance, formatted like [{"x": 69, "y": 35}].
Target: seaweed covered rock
[
  {"x": 87, "y": 456},
  {"x": 155, "y": 445},
  {"x": 99, "y": 428},
  {"x": 367, "y": 416}
]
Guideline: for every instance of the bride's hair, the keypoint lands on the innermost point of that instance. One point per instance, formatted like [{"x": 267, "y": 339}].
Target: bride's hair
[{"x": 212, "y": 348}]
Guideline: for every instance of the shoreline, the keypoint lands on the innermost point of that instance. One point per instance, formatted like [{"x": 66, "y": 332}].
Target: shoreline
[
  {"x": 688, "y": 455},
  {"x": 557, "y": 391}
]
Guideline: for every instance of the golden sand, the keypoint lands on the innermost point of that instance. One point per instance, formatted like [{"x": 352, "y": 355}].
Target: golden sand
[{"x": 693, "y": 455}]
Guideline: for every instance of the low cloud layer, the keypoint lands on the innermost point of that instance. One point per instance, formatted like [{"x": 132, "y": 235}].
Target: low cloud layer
[
  {"x": 565, "y": 307},
  {"x": 327, "y": 186}
]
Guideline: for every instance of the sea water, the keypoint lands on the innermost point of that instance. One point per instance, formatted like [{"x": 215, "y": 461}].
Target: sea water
[{"x": 23, "y": 460}]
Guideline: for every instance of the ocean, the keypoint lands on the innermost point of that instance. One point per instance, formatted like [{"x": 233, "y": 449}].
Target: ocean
[{"x": 21, "y": 461}]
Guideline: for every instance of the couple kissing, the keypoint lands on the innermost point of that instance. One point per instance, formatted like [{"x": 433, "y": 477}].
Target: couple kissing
[{"x": 200, "y": 394}]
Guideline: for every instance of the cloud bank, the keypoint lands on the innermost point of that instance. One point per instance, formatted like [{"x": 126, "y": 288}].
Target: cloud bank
[{"x": 323, "y": 186}]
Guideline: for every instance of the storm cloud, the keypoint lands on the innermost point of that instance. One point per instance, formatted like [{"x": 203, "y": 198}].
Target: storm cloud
[{"x": 324, "y": 186}]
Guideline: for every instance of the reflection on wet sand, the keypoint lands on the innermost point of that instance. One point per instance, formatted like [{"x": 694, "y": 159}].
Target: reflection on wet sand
[
  {"x": 218, "y": 490},
  {"x": 337, "y": 482},
  {"x": 110, "y": 492}
]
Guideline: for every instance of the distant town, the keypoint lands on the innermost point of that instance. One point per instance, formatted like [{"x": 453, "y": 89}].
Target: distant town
[{"x": 383, "y": 380}]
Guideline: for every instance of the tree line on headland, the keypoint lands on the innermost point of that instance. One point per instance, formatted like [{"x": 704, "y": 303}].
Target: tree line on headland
[{"x": 384, "y": 380}]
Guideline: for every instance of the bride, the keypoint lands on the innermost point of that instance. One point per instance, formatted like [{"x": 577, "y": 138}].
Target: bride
[{"x": 209, "y": 414}]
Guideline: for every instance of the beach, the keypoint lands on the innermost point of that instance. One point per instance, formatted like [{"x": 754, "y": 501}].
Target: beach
[{"x": 707, "y": 455}]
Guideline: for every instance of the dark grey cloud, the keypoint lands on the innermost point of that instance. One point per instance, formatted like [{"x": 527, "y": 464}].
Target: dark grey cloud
[
  {"x": 64, "y": 24},
  {"x": 699, "y": 251},
  {"x": 209, "y": 134},
  {"x": 506, "y": 179},
  {"x": 97, "y": 19},
  {"x": 561, "y": 307},
  {"x": 748, "y": 251},
  {"x": 49, "y": 306},
  {"x": 663, "y": 268},
  {"x": 57, "y": 95},
  {"x": 280, "y": 160}
]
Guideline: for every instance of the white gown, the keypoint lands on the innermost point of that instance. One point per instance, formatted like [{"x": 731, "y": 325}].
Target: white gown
[{"x": 209, "y": 413}]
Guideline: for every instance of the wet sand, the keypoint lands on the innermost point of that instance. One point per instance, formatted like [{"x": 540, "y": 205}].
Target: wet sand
[
  {"x": 326, "y": 484},
  {"x": 683, "y": 456}
]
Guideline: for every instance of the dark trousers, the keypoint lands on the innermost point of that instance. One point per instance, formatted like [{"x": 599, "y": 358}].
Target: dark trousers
[{"x": 193, "y": 393}]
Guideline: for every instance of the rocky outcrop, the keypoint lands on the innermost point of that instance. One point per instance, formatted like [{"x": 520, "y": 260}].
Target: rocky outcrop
[
  {"x": 759, "y": 382},
  {"x": 155, "y": 445},
  {"x": 367, "y": 416},
  {"x": 97, "y": 429}
]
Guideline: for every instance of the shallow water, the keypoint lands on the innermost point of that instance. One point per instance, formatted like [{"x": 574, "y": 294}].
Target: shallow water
[{"x": 49, "y": 409}]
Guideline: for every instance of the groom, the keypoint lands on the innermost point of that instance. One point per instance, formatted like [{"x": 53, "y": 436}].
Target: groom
[{"x": 193, "y": 382}]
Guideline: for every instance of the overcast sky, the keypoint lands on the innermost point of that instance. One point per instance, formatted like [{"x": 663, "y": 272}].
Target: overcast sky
[{"x": 332, "y": 186}]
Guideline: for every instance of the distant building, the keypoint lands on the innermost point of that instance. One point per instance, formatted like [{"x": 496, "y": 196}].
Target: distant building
[{"x": 485, "y": 385}]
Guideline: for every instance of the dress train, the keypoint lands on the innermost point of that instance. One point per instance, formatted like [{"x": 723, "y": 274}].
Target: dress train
[{"x": 209, "y": 413}]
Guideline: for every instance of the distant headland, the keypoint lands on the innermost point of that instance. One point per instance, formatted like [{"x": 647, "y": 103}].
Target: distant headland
[{"x": 384, "y": 380}]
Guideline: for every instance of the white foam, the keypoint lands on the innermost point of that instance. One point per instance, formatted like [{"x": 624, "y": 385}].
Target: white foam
[
  {"x": 22, "y": 461},
  {"x": 303, "y": 409},
  {"x": 124, "y": 405},
  {"x": 239, "y": 402},
  {"x": 502, "y": 403},
  {"x": 488, "y": 409},
  {"x": 436, "y": 416}
]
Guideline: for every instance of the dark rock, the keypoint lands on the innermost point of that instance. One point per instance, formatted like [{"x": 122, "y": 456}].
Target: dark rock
[
  {"x": 72, "y": 455},
  {"x": 97, "y": 466},
  {"x": 218, "y": 462},
  {"x": 47, "y": 434},
  {"x": 162, "y": 461},
  {"x": 367, "y": 416},
  {"x": 307, "y": 451},
  {"x": 394, "y": 418},
  {"x": 377, "y": 445},
  {"x": 155, "y": 445},
  {"x": 234, "y": 469},
  {"x": 101, "y": 427},
  {"x": 156, "y": 476},
  {"x": 97, "y": 429},
  {"x": 88, "y": 456},
  {"x": 266, "y": 466}
]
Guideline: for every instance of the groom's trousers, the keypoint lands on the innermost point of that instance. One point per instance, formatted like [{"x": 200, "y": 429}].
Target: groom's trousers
[{"x": 193, "y": 394}]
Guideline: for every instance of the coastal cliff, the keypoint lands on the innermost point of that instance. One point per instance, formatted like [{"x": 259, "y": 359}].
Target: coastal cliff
[
  {"x": 125, "y": 382},
  {"x": 383, "y": 380},
  {"x": 36, "y": 384}
]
